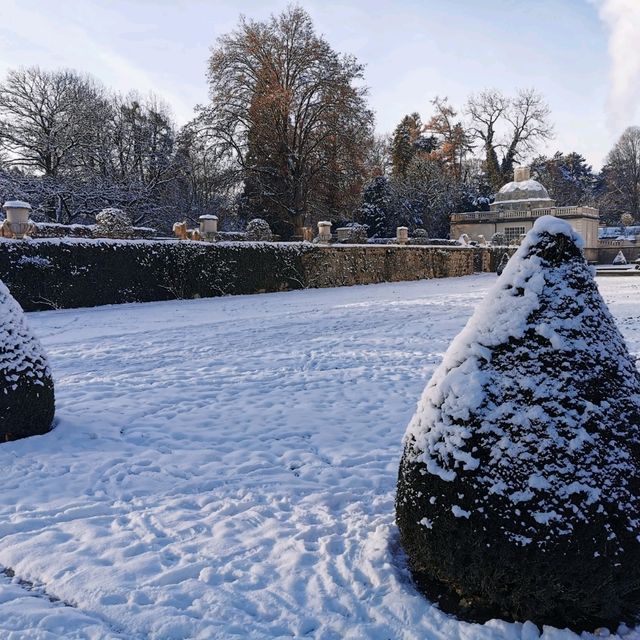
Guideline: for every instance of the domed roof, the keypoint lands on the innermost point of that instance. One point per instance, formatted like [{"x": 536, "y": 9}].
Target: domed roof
[{"x": 523, "y": 192}]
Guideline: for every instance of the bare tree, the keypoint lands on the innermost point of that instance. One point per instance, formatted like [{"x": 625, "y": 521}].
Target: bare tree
[
  {"x": 512, "y": 127},
  {"x": 48, "y": 118},
  {"x": 621, "y": 178}
]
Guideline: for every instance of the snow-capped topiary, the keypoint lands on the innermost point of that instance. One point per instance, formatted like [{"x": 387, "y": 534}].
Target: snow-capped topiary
[
  {"x": 519, "y": 487},
  {"x": 620, "y": 259},
  {"x": 113, "y": 223},
  {"x": 26, "y": 399},
  {"x": 356, "y": 233},
  {"x": 258, "y": 229},
  {"x": 499, "y": 239},
  {"x": 504, "y": 259},
  {"x": 420, "y": 236}
]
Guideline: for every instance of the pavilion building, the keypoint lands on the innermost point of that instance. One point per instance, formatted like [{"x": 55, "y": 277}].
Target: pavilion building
[{"x": 517, "y": 206}]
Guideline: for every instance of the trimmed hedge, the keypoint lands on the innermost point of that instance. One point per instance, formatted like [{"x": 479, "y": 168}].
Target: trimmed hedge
[
  {"x": 47, "y": 274},
  {"x": 55, "y": 230},
  {"x": 519, "y": 485},
  {"x": 27, "y": 403},
  {"x": 65, "y": 273}
]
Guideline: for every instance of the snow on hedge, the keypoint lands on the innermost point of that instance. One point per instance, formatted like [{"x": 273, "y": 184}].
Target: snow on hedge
[
  {"x": 26, "y": 398},
  {"x": 530, "y": 430}
]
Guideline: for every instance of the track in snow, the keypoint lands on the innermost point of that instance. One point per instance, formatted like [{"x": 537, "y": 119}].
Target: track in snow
[{"x": 226, "y": 468}]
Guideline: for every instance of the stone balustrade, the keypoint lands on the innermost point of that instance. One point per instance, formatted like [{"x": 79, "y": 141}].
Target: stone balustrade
[{"x": 493, "y": 216}]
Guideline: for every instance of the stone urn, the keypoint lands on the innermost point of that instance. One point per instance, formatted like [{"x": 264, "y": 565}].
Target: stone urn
[
  {"x": 208, "y": 227},
  {"x": 324, "y": 232},
  {"x": 17, "y": 223}
]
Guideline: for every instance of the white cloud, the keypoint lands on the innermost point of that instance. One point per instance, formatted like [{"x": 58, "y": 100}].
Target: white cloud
[
  {"x": 622, "y": 18},
  {"x": 51, "y": 37}
]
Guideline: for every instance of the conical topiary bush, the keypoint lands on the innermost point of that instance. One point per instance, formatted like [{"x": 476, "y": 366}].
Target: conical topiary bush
[
  {"x": 26, "y": 398},
  {"x": 519, "y": 485}
]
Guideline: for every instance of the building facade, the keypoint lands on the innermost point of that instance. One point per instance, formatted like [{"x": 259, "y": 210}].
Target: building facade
[{"x": 517, "y": 206}]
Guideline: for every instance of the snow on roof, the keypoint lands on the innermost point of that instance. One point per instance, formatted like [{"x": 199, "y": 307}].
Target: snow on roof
[
  {"x": 544, "y": 443},
  {"x": 527, "y": 199},
  {"x": 619, "y": 232},
  {"x": 524, "y": 185}
]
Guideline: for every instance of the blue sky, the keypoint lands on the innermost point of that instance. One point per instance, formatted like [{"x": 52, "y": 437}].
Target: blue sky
[{"x": 581, "y": 54}]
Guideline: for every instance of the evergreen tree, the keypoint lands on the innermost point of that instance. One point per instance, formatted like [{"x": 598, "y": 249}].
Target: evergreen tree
[
  {"x": 619, "y": 183},
  {"x": 403, "y": 144},
  {"x": 375, "y": 209},
  {"x": 518, "y": 486},
  {"x": 567, "y": 177}
]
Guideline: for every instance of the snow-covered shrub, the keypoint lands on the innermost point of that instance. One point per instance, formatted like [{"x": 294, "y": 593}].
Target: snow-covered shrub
[
  {"x": 620, "y": 259},
  {"x": 446, "y": 242},
  {"x": 258, "y": 229},
  {"x": 519, "y": 485},
  {"x": 55, "y": 230},
  {"x": 144, "y": 271},
  {"x": 356, "y": 234},
  {"x": 113, "y": 223},
  {"x": 499, "y": 239},
  {"x": 502, "y": 264},
  {"x": 26, "y": 400},
  {"x": 420, "y": 236}
]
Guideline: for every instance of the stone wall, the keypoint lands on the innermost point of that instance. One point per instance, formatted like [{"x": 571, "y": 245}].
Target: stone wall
[
  {"x": 49, "y": 273},
  {"x": 365, "y": 264}
]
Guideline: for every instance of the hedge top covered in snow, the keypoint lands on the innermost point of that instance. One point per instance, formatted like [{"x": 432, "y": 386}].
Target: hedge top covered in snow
[{"x": 537, "y": 401}]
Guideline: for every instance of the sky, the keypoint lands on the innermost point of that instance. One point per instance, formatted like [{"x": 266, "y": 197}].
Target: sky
[{"x": 582, "y": 55}]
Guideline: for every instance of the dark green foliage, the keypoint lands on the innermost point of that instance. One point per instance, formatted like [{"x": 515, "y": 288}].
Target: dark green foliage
[
  {"x": 376, "y": 208},
  {"x": 50, "y": 274},
  {"x": 502, "y": 264},
  {"x": 46, "y": 274},
  {"x": 567, "y": 177},
  {"x": 519, "y": 486},
  {"x": 26, "y": 396},
  {"x": 406, "y": 142}
]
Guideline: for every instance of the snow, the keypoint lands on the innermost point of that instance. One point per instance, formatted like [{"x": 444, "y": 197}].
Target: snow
[
  {"x": 16, "y": 204},
  {"x": 20, "y": 350},
  {"x": 524, "y": 185},
  {"x": 226, "y": 468},
  {"x": 460, "y": 390}
]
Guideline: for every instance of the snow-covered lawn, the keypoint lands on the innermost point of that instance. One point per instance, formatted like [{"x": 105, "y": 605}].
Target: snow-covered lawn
[{"x": 226, "y": 468}]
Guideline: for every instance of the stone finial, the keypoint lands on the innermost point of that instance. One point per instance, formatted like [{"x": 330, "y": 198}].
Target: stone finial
[
  {"x": 402, "y": 235},
  {"x": 520, "y": 174},
  {"x": 324, "y": 231},
  {"x": 208, "y": 227}
]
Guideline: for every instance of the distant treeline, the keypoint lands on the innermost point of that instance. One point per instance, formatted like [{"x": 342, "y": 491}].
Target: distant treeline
[{"x": 287, "y": 136}]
